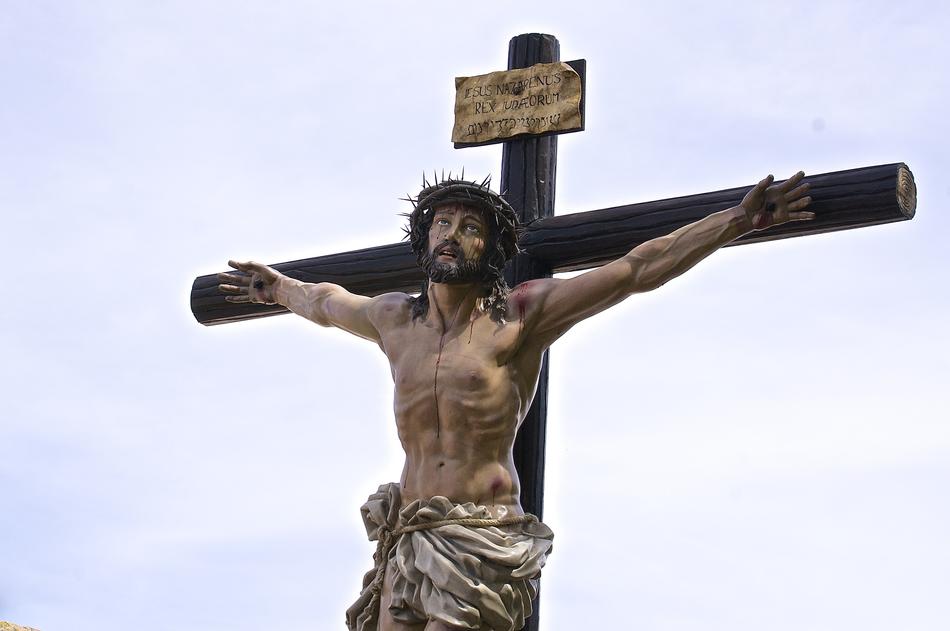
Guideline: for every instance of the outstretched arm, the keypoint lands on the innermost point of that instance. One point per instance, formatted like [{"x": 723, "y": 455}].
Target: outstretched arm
[
  {"x": 557, "y": 304},
  {"x": 324, "y": 303}
]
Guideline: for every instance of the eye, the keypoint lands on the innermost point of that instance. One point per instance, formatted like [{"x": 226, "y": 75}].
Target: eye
[
  {"x": 472, "y": 228},
  {"x": 442, "y": 221}
]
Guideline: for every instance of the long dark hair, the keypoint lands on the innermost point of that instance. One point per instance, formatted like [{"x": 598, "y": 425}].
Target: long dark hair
[{"x": 501, "y": 245}]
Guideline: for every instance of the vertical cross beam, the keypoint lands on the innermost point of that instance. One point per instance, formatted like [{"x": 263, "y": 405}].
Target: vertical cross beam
[{"x": 527, "y": 178}]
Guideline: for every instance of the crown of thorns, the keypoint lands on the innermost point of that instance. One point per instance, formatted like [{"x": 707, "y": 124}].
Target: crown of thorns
[{"x": 447, "y": 190}]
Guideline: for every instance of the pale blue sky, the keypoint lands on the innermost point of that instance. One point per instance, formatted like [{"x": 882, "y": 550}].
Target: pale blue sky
[{"x": 762, "y": 443}]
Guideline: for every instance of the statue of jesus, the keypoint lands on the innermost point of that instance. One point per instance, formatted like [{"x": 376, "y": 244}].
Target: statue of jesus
[{"x": 455, "y": 549}]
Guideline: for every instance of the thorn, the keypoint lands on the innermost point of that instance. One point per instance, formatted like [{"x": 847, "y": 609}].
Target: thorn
[{"x": 462, "y": 177}]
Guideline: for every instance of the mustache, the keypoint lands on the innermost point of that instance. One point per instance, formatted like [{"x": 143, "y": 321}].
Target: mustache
[
  {"x": 462, "y": 269},
  {"x": 451, "y": 246}
]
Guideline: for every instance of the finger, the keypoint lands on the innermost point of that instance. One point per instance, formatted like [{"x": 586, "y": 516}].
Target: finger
[
  {"x": 798, "y": 204},
  {"x": 245, "y": 266},
  {"x": 234, "y": 279},
  {"x": 232, "y": 289},
  {"x": 239, "y": 299},
  {"x": 800, "y": 216},
  {"x": 798, "y": 192},
  {"x": 252, "y": 267},
  {"x": 792, "y": 182},
  {"x": 764, "y": 184}
]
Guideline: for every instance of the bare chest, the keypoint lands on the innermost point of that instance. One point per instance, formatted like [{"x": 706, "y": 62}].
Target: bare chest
[
  {"x": 467, "y": 383},
  {"x": 472, "y": 357}
]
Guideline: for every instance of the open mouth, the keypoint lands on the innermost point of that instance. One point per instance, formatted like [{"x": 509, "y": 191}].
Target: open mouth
[{"x": 447, "y": 252}]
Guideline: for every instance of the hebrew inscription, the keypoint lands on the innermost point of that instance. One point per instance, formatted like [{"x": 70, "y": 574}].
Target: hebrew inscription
[{"x": 541, "y": 99}]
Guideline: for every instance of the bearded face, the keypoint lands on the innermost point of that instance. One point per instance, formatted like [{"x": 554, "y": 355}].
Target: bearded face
[
  {"x": 457, "y": 239},
  {"x": 447, "y": 263},
  {"x": 460, "y": 241}
]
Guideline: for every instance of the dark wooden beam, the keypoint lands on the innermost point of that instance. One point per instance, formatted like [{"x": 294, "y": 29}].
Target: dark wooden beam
[
  {"x": 528, "y": 175},
  {"x": 842, "y": 200}
]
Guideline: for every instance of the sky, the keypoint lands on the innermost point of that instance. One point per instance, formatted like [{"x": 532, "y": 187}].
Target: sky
[{"x": 760, "y": 443}]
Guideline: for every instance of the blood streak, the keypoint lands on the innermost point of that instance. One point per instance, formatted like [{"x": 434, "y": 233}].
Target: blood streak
[
  {"x": 438, "y": 360},
  {"x": 435, "y": 386},
  {"x": 521, "y": 300},
  {"x": 471, "y": 329},
  {"x": 495, "y": 485}
]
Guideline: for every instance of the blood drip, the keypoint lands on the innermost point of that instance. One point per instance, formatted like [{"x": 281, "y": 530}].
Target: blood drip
[
  {"x": 438, "y": 360},
  {"x": 435, "y": 386},
  {"x": 495, "y": 485},
  {"x": 521, "y": 300}
]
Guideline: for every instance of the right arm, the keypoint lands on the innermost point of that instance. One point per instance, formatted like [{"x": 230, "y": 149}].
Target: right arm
[
  {"x": 554, "y": 305},
  {"x": 324, "y": 303}
]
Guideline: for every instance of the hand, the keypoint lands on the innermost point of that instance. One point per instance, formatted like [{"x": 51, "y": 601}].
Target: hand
[
  {"x": 768, "y": 205},
  {"x": 257, "y": 284}
]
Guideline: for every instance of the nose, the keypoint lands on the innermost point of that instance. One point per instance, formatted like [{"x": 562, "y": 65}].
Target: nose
[{"x": 453, "y": 233}]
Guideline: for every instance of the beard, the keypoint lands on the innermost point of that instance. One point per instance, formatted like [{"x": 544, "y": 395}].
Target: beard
[{"x": 461, "y": 270}]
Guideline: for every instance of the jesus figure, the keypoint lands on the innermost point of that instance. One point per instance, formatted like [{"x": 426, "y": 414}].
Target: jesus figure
[{"x": 455, "y": 549}]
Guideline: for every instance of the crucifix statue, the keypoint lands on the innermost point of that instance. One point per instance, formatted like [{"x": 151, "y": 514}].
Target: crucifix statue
[{"x": 460, "y": 541}]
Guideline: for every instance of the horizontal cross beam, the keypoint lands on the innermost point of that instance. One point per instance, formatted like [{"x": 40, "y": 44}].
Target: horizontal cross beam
[{"x": 841, "y": 200}]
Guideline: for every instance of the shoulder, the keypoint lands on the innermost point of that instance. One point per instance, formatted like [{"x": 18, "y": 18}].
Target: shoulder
[
  {"x": 527, "y": 301},
  {"x": 530, "y": 294},
  {"x": 389, "y": 308},
  {"x": 536, "y": 305}
]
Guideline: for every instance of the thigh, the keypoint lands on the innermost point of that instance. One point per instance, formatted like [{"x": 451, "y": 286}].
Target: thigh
[{"x": 386, "y": 622}]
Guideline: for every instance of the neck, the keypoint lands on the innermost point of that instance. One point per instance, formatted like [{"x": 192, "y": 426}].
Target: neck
[{"x": 452, "y": 303}]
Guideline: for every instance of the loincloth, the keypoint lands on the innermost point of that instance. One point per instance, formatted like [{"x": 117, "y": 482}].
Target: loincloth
[{"x": 481, "y": 574}]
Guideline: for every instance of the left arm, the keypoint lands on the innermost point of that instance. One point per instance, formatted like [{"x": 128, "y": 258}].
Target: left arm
[{"x": 560, "y": 304}]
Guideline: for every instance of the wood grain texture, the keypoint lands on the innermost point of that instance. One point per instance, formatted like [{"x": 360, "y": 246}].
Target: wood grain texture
[
  {"x": 528, "y": 173},
  {"x": 843, "y": 200}
]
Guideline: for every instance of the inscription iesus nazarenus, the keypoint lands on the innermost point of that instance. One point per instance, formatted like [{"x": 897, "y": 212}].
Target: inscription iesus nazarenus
[{"x": 539, "y": 99}]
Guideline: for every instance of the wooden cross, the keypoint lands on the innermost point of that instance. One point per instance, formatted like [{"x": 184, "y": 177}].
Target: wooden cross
[{"x": 841, "y": 200}]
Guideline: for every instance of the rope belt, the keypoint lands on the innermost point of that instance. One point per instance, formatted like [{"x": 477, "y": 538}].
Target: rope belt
[{"x": 388, "y": 539}]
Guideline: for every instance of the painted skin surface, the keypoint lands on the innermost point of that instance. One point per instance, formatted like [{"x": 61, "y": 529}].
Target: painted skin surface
[
  {"x": 464, "y": 383},
  {"x": 458, "y": 400}
]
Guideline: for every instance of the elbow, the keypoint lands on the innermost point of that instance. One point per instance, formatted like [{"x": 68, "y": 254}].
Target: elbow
[
  {"x": 317, "y": 318},
  {"x": 317, "y": 304},
  {"x": 318, "y": 314},
  {"x": 646, "y": 284},
  {"x": 645, "y": 273}
]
